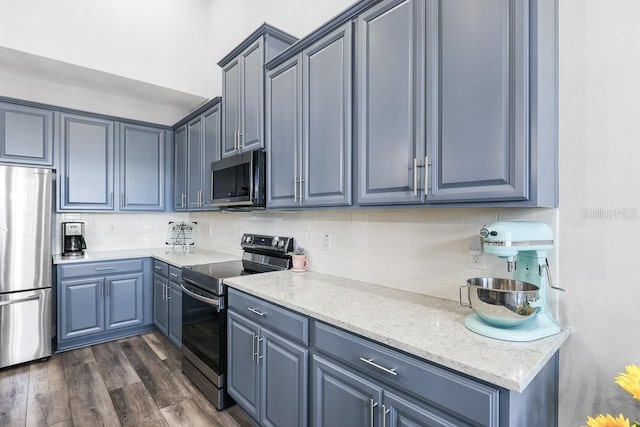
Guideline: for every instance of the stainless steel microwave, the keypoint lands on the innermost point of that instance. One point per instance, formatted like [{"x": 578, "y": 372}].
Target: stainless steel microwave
[{"x": 239, "y": 181}]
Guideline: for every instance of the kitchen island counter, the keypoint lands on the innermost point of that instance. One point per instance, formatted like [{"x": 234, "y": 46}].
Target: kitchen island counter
[
  {"x": 178, "y": 258},
  {"x": 429, "y": 328}
]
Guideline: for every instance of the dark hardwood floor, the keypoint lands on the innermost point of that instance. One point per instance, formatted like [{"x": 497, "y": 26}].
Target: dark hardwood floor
[{"x": 135, "y": 381}]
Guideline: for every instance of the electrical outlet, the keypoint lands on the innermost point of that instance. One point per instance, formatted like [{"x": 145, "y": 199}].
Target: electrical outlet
[
  {"x": 477, "y": 261},
  {"x": 327, "y": 241}
]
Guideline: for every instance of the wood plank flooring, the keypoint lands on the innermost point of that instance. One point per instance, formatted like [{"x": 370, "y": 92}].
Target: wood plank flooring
[{"x": 136, "y": 381}]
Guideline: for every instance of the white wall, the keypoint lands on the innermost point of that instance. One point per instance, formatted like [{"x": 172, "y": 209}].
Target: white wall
[
  {"x": 233, "y": 20},
  {"x": 599, "y": 149},
  {"x": 163, "y": 42}
]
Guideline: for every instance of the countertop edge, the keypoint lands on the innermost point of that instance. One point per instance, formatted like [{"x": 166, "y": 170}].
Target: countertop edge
[
  {"x": 175, "y": 258},
  {"x": 517, "y": 385}
]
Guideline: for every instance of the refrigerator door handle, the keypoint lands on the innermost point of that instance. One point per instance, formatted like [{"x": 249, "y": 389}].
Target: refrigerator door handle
[{"x": 17, "y": 301}]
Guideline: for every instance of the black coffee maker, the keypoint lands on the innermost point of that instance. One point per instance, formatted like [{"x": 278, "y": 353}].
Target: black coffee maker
[{"x": 73, "y": 243}]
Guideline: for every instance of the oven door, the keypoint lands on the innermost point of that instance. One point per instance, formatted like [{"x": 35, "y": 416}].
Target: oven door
[{"x": 204, "y": 331}]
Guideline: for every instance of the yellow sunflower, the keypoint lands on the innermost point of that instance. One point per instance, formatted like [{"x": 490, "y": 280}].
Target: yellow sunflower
[
  {"x": 608, "y": 421},
  {"x": 630, "y": 381}
]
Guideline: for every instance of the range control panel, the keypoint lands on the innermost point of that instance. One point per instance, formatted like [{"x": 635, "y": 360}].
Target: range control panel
[{"x": 270, "y": 243}]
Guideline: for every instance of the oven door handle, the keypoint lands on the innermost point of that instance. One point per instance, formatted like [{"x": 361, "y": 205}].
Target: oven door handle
[{"x": 212, "y": 302}]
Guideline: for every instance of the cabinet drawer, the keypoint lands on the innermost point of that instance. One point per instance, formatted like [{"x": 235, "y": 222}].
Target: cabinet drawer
[
  {"x": 162, "y": 268},
  {"x": 175, "y": 274},
  {"x": 100, "y": 268},
  {"x": 271, "y": 316},
  {"x": 465, "y": 397}
]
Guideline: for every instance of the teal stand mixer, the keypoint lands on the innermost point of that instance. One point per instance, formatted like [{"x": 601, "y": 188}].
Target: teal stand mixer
[{"x": 514, "y": 309}]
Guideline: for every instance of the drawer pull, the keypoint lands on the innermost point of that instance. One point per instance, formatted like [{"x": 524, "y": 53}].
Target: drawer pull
[
  {"x": 173, "y": 275},
  {"x": 157, "y": 267},
  {"x": 255, "y": 311},
  {"x": 391, "y": 371},
  {"x": 104, "y": 268}
]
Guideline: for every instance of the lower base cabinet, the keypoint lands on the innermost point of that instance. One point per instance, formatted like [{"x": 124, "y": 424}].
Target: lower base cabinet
[
  {"x": 167, "y": 301},
  {"x": 267, "y": 370},
  {"x": 340, "y": 396},
  {"x": 287, "y": 370},
  {"x": 102, "y": 300}
]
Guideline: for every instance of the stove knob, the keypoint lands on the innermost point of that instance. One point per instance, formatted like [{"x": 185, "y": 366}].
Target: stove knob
[
  {"x": 281, "y": 244},
  {"x": 247, "y": 239},
  {"x": 274, "y": 242}
]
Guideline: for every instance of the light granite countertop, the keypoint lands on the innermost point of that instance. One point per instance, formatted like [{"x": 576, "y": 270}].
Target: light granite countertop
[
  {"x": 178, "y": 258},
  {"x": 427, "y": 327}
]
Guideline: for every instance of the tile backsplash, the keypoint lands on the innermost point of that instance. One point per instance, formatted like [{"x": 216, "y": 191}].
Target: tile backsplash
[{"x": 417, "y": 250}]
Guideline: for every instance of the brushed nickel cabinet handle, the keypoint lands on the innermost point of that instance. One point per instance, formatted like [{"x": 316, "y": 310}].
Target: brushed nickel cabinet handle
[
  {"x": 105, "y": 268},
  {"x": 415, "y": 176},
  {"x": 255, "y": 311},
  {"x": 372, "y": 405},
  {"x": 370, "y": 362},
  {"x": 426, "y": 175},
  {"x": 385, "y": 411},
  {"x": 258, "y": 341}
]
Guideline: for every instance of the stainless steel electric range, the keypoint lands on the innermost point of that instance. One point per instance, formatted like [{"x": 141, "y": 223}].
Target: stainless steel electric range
[{"x": 204, "y": 311}]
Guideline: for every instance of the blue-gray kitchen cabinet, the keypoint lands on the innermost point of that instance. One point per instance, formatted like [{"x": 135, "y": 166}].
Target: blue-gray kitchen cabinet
[
  {"x": 243, "y": 76},
  {"x": 390, "y": 103},
  {"x": 175, "y": 306},
  {"x": 341, "y": 397},
  {"x": 203, "y": 142},
  {"x": 267, "y": 361},
  {"x": 242, "y": 366},
  {"x": 167, "y": 301},
  {"x": 85, "y": 181},
  {"x": 26, "y": 135},
  {"x": 308, "y": 128},
  {"x": 142, "y": 168},
  {"x": 180, "y": 170},
  {"x": 81, "y": 308},
  {"x": 98, "y": 301},
  {"x": 160, "y": 311},
  {"x": 485, "y": 90}
]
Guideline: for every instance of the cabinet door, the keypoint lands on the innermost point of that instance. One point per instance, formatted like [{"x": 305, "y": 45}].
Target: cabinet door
[
  {"x": 141, "y": 168},
  {"x": 175, "y": 313},
  {"x": 390, "y": 97},
  {"x": 284, "y": 370},
  {"x": 340, "y": 397},
  {"x": 403, "y": 411},
  {"x": 252, "y": 97},
  {"x": 242, "y": 363},
  {"x": 284, "y": 134},
  {"x": 194, "y": 168},
  {"x": 211, "y": 127},
  {"x": 123, "y": 301},
  {"x": 26, "y": 135},
  {"x": 481, "y": 150},
  {"x": 327, "y": 144},
  {"x": 160, "y": 308},
  {"x": 230, "y": 107},
  {"x": 81, "y": 310},
  {"x": 86, "y": 163},
  {"x": 180, "y": 183}
]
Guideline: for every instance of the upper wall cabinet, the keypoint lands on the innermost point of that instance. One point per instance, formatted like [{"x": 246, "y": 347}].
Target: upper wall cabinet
[
  {"x": 142, "y": 172},
  {"x": 308, "y": 125},
  {"x": 197, "y": 146},
  {"x": 110, "y": 166},
  {"x": 484, "y": 93},
  {"x": 453, "y": 103},
  {"x": 85, "y": 180},
  {"x": 243, "y": 89},
  {"x": 180, "y": 180},
  {"x": 390, "y": 120},
  {"x": 26, "y": 135}
]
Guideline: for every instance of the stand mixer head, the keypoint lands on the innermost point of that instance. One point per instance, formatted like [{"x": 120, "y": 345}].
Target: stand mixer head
[{"x": 524, "y": 245}]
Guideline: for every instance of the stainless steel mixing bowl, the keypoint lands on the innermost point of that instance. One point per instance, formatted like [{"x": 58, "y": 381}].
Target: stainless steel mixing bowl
[{"x": 504, "y": 303}]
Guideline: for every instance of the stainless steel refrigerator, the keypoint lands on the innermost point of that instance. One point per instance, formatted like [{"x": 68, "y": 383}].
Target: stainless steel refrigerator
[{"x": 25, "y": 264}]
